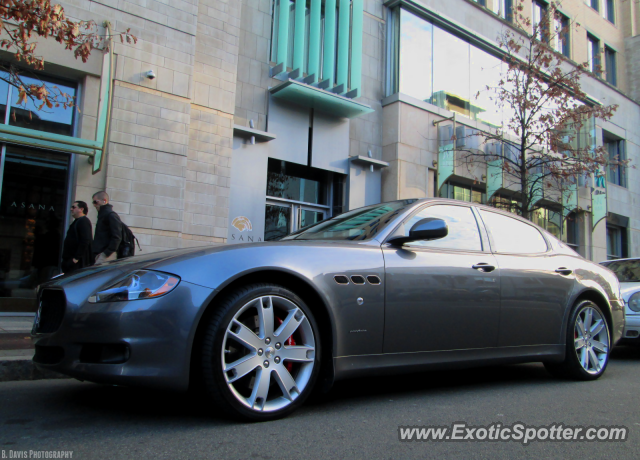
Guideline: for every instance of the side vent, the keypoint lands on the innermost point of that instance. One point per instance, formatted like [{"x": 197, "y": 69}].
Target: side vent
[
  {"x": 357, "y": 279},
  {"x": 373, "y": 279},
  {"x": 341, "y": 279}
]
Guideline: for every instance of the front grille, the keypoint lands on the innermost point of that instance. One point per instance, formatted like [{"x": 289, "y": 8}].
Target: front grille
[
  {"x": 48, "y": 355},
  {"x": 50, "y": 312}
]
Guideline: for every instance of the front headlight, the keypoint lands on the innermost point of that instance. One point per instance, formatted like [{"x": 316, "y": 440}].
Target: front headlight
[
  {"x": 141, "y": 284},
  {"x": 634, "y": 302}
]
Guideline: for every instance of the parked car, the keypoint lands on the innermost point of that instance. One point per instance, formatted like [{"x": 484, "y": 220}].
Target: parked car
[
  {"x": 628, "y": 273},
  {"x": 396, "y": 287}
]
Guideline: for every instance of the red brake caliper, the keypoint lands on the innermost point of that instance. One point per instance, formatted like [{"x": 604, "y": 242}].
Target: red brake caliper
[{"x": 290, "y": 342}]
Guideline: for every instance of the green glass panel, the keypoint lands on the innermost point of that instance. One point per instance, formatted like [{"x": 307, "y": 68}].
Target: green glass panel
[
  {"x": 324, "y": 101},
  {"x": 299, "y": 44},
  {"x": 283, "y": 32},
  {"x": 569, "y": 199},
  {"x": 495, "y": 178},
  {"x": 356, "y": 46},
  {"x": 329, "y": 55},
  {"x": 103, "y": 110},
  {"x": 343, "y": 43},
  {"x": 315, "y": 33},
  {"x": 446, "y": 163}
]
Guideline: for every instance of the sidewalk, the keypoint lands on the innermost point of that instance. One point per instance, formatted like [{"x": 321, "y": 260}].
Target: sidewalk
[{"x": 17, "y": 349}]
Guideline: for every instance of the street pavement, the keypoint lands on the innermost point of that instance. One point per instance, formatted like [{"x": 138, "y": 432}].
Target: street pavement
[{"x": 358, "y": 419}]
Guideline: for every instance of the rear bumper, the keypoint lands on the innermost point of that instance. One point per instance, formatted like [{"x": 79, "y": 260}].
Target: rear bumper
[{"x": 142, "y": 342}]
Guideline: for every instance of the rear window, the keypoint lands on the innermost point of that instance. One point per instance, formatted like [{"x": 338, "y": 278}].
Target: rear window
[{"x": 512, "y": 236}]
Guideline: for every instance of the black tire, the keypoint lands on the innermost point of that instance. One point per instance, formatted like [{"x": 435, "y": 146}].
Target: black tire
[
  {"x": 287, "y": 367},
  {"x": 587, "y": 352}
]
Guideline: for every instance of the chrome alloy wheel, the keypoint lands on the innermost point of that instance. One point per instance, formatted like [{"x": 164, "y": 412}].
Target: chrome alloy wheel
[
  {"x": 268, "y": 353},
  {"x": 591, "y": 340}
]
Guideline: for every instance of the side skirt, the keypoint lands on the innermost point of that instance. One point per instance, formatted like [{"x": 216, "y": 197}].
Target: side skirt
[{"x": 401, "y": 363}]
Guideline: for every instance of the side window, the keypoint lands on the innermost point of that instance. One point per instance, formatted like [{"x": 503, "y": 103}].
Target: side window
[
  {"x": 463, "y": 228},
  {"x": 511, "y": 235}
]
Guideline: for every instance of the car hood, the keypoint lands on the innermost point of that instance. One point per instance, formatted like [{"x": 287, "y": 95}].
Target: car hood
[
  {"x": 628, "y": 289},
  {"x": 175, "y": 260}
]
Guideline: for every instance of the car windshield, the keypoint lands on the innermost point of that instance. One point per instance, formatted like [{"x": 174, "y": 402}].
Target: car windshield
[
  {"x": 626, "y": 270},
  {"x": 359, "y": 224}
]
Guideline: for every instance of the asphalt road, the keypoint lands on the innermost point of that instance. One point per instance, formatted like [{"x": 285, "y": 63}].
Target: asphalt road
[{"x": 359, "y": 419}]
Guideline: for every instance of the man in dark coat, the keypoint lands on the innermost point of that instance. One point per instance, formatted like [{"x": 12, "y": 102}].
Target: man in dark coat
[
  {"x": 108, "y": 230},
  {"x": 76, "y": 252}
]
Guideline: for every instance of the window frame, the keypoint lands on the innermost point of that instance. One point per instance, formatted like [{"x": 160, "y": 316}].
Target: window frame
[
  {"x": 620, "y": 170},
  {"x": 595, "y": 5},
  {"x": 562, "y": 38},
  {"x": 621, "y": 238},
  {"x": 610, "y": 11},
  {"x": 593, "y": 50},
  {"x": 611, "y": 75}
]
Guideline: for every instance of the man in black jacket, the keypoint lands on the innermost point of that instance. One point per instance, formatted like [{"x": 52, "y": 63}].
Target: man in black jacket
[
  {"x": 108, "y": 230},
  {"x": 77, "y": 252}
]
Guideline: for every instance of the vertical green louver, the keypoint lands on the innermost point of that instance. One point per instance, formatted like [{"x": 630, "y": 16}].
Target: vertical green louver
[
  {"x": 299, "y": 36},
  {"x": 343, "y": 44},
  {"x": 314, "y": 39},
  {"x": 329, "y": 55},
  {"x": 283, "y": 33},
  {"x": 356, "y": 47}
]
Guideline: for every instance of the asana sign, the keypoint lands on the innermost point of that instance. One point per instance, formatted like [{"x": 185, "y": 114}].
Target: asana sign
[{"x": 243, "y": 224}]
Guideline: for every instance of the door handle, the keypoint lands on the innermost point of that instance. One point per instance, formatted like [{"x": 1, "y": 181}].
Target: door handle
[
  {"x": 484, "y": 267},
  {"x": 564, "y": 271}
]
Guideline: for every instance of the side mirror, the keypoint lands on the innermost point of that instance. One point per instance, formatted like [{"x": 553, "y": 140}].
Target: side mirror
[{"x": 430, "y": 228}]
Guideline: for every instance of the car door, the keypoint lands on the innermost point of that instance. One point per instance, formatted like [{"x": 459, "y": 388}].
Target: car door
[
  {"x": 536, "y": 284},
  {"x": 441, "y": 294}
]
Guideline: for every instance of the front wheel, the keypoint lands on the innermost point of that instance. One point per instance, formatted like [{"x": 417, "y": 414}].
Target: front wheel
[
  {"x": 588, "y": 344},
  {"x": 261, "y": 353}
]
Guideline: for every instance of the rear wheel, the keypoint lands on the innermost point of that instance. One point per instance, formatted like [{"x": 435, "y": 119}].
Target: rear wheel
[
  {"x": 588, "y": 344},
  {"x": 261, "y": 353}
]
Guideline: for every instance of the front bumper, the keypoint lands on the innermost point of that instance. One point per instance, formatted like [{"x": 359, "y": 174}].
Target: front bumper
[
  {"x": 142, "y": 342},
  {"x": 631, "y": 329}
]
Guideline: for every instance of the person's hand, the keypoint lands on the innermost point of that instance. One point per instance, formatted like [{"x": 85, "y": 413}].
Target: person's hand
[{"x": 75, "y": 261}]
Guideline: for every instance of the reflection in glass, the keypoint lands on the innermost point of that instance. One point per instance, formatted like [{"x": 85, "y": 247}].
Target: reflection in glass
[
  {"x": 295, "y": 182},
  {"x": 463, "y": 229},
  {"x": 416, "y": 56},
  {"x": 486, "y": 70},
  {"x": 310, "y": 217},
  {"x": 451, "y": 73},
  {"x": 56, "y": 120},
  {"x": 359, "y": 224},
  {"x": 277, "y": 222},
  {"x": 32, "y": 214}
]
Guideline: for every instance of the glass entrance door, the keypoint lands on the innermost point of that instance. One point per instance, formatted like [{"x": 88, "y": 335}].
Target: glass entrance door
[{"x": 32, "y": 215}]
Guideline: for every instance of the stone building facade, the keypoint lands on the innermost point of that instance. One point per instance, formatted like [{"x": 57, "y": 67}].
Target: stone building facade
[{"x": 240, "y": 137}]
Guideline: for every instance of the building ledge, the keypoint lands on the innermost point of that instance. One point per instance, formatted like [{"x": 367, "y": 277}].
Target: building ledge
[
  {"x": 366, "y": 161},
  {"x": 319, "y": 99},
  {"x": 248, "y": 133}
]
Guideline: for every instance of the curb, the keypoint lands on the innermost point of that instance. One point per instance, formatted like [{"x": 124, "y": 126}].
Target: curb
[{"x": 21, "y": 368}]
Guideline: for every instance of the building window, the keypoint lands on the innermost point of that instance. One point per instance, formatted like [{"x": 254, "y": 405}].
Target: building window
[
  {"x": 463, "y": 193},
  {"x": 570, "y": 231},
  {"x": 594, "y": 54},
  {"x": 562, "y": 34},
  {"x": 616, "y": 173},
  {"x": 610, "y": 64},
  {"x": 503, "y": 8},
  {"x": 299, "y": 196},
  {"x": 481, "y": 2},
  {"x": 610, "y": 12},
  {"x": 616, "y": 242},
  {"x": 595, "y": 4},
  {"x": 540, "y": 29},
  {"x": 549, "y": 219}
]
